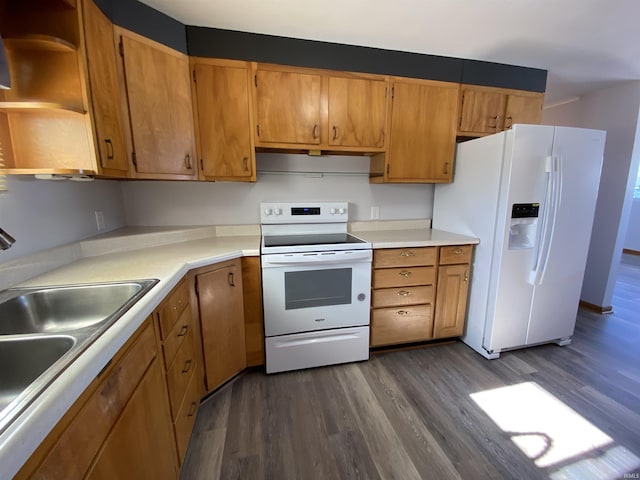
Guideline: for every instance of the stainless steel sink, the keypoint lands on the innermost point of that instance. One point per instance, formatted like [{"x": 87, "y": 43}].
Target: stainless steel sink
[
  {"x": 60, "y": 309},
  {"x": 25, "y": 359},
  {"x": 44, "y": 329}
]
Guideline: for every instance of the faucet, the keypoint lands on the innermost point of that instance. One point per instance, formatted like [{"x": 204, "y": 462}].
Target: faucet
[{"x": 6, "y": 240}]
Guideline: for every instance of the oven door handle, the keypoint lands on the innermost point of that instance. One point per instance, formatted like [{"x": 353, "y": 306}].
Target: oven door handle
[{"x": 323, "y": 258}]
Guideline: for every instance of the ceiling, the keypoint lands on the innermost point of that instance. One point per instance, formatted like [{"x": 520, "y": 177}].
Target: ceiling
[{"x": 584, "y": 44}]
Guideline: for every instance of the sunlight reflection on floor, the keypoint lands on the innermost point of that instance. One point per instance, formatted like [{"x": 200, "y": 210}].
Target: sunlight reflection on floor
[{"x": 551, "y": 433}]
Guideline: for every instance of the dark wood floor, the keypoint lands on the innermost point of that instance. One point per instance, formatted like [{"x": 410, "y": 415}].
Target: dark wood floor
[{"x": 417, "y": 414}]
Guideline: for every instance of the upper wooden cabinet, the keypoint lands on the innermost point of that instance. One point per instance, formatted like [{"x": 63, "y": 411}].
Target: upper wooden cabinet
[
  {"x": 222, "y": 113},
  {"x": 423, "y": 133},
  {"x": 288, "y": 105},
  {"x": 110, "y": 123},
  {"x": 300, "y": 108},
  {"x": 486, "y": 110},
  {"x": 357, "y": 112},
  {"x": 158, "y": 91}
]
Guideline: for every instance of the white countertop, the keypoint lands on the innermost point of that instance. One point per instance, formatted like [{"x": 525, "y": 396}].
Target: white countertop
[
  {"x": 135, "y": 253},
  {"x": 413, "y": 237}
]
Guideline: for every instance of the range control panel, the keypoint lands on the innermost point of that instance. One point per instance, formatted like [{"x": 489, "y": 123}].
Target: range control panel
[{"x": 312, "y": 212}]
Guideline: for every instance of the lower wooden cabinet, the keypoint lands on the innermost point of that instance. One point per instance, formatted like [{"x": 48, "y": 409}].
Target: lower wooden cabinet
[
  {"x": 120, "y": 427},
  {"x": 140, "y": 443},
  {"x": 419, "y": 294},
  {"x": 179, "y": 336},
  {"x": 454, "y": 272},
  {"x": 220, "y": 300}
]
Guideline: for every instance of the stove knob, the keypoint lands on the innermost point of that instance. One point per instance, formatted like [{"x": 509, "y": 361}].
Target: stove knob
[
  {"x": 342, "y": 211},
  {"x": 332, "y": 211},
  {"x": 268, "y": 211},
  {"x": 277, "y": 211}
]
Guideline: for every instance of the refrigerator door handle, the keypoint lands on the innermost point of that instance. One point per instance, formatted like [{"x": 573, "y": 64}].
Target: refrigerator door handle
[
  {"x": 557, "y": 194},
  {"x": 553, "y": 169}
]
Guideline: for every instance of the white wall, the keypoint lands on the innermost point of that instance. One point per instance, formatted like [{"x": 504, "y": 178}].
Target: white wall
[
  {"x": 203, "y": 203},
  {"x": 615, "y": 110},
  {"x": 632, "y": 240},
  {"x": 41, "y": 214}
]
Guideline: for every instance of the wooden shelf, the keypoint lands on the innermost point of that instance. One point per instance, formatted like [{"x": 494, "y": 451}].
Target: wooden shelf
[
  {"x": 38, "y": 107},
  {"x": 40, "y": 42}
]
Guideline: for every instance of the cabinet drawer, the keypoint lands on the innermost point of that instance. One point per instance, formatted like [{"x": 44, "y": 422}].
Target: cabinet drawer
[
  {"x": 82, "y": 439},
  {"x": 179, "y": 373},
  {"x": 172, "y": 308},
  {"x": 390, "y": 297},
  {"x": 400, "y": 325},
  {"x": 403, "y": 257},
  {"x": 176, "y": 337},
  {"x": 187, "y": 414},
  {"x": 455, "y": 254},
  {"x": 403, "y": 277}
]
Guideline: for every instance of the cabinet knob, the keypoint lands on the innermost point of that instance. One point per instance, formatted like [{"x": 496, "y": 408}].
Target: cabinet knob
[
  {"x": 404, "y": 273},
  {"x": 406, "y": 253},
  {"x": 402, "y": 312},
  {"x": 404, "y": 293},
  {"x": 187, "y": 366},
  {"x": 457, "y": 251},
  {"x": 183, "y": 330}
]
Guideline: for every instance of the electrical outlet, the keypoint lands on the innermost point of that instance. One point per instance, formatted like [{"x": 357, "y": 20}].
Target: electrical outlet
[
  {"x": 375, "y": 213},
  {"x": 100, "y": 220}
]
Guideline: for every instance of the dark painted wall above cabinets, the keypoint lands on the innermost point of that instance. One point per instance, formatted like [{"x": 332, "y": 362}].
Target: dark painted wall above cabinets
[{"x": 218, "y": 43}]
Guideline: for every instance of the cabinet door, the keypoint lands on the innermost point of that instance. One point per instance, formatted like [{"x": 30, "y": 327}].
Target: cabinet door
[
  {"x": 224, "y": 127},
  {"x": 141, "y": 443},
  {"x": 523, "y": 109},
  {"x": 482, "y": 111},
  {"x": 357, "y": 112},
  {"x": 222, "y": 321},
  {"x": 423, "y": 132},
  {"x": 159, "y": 95},
  {"x": 287, "y": 107},
  {"x": 105, "y": 92},
  {"x": 451, "y": 301}
]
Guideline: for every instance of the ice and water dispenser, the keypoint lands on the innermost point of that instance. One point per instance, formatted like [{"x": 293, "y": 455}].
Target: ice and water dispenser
[{"x": 524, "y": 226}]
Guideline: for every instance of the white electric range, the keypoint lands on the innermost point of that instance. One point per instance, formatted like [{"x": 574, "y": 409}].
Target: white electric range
[{"x": 316, "y": 284}]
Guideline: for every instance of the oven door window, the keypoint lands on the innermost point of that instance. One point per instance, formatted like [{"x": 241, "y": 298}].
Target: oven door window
[{"x": 317, "y": 288}]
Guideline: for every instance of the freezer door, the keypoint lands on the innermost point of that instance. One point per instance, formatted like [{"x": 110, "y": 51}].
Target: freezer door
[
  {"x": 524, "y": 181},
  {"x": 577, "y": 154}
]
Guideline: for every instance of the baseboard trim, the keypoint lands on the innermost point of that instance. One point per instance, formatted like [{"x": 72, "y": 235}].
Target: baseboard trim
[
  {"x": 631, "y": 252},
  {"x": 596, "y": 308}
]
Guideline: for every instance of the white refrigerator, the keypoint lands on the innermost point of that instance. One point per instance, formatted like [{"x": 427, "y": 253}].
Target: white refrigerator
[{"x": 529, "y": 195}]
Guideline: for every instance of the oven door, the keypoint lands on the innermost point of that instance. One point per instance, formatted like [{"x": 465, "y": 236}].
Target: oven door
[{"x": 304, "y": 292}]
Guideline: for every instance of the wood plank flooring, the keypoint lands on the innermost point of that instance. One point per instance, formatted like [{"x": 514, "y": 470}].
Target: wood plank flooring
[{"x": 413, "y": 414}]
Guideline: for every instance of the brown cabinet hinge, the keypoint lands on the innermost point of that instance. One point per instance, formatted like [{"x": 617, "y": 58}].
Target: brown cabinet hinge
[
  {"x": 393, "y": 93},
  {"x": 387, "y": 169},
  {"x": 194, "y": 75}
]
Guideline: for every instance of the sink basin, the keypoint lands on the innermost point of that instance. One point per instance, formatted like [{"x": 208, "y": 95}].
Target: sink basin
[
  {"x": 60, "y": 309},
  {"x": 25, "y": 359},
  {"x": 44, "y": 329}
]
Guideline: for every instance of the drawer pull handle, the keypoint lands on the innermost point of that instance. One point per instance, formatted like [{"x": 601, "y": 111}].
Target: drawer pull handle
[
  {"x": 404, "y": 293},
  {"x": 402, "y": 312},
  {"x": 404, "y": 273},
  {"x": 187, "y": 366},
  {"x": 231, "y": 280},
  {"x": 406, "y": 253},
  {"x": 192, "y": 409},
  {"x": 457, "y": 251},
  {"x": 183, "y": 330}
]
